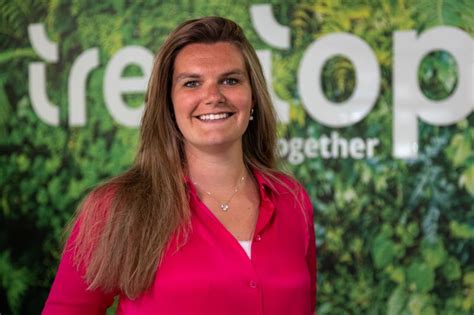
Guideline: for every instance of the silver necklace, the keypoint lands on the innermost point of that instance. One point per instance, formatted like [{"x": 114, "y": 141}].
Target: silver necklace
[{"x": 224, "y": 205}]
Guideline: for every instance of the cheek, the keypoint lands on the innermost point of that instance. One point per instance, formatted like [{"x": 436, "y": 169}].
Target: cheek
[
  {"x": 180, "y": 105},
  {"x": 183, "y": 101},
  {"x": 183, "y": 125},
  {"x": 242, "y": 99},
  {"x": 179, "y": 112},
  {"x": 181, "y": 118},
  {"x": 245, "y": 104}
]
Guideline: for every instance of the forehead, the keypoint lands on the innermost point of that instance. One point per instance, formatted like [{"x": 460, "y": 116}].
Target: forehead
[{"x": 199, "y": 57}]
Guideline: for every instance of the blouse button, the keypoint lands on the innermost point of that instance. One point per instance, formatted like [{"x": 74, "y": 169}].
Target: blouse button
[
  {"x": 258, "y": 237},
  {"x": 252, "y": 284}
]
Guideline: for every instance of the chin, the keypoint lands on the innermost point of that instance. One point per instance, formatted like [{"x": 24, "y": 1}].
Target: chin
[{"x": 218, "y": 144}]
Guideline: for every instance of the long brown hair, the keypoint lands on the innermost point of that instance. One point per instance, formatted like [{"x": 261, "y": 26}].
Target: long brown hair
[{"x": 126, "y": 224}]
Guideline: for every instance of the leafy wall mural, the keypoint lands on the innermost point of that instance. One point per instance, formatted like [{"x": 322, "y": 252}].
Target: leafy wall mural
[{"x": 394, "y": 236}]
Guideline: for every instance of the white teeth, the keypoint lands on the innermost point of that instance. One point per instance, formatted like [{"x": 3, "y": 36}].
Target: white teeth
[{"x": 213, "y": 116}]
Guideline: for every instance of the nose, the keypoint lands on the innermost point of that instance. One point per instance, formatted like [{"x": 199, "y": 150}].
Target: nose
[{"x": 213, "y": 94}]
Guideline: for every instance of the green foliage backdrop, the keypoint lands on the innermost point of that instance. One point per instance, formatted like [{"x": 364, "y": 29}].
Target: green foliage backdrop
[{"x": 394, "y": 237}]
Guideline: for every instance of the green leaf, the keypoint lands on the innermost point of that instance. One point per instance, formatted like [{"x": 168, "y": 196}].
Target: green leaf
[
  {"x": 468, "y": 278},
  {"x": 461, "y": 230},
  {"x": 383, "y": 251},
  {"x": 23, "y": 162},
  {"x": 5, "y": 112},
  {"x": 420, "y": 277},
  {"x": 13, "y": 280},
  {"x": 468, "y": 303},
  {"x": 433, "y": 254},
  {"x": 428, "y": 310},
  {"x": 397, "y": 275},
  {"x": 417, "y": 303},
  {"x": 467, "y": 179},
  {"x": 19, "y": 53},
  {"x": 452, "y": 269},
  {"x": 397, "y": 301}
]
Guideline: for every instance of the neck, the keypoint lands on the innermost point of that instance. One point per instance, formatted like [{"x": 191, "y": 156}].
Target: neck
[{"x": 215, "y": 171}]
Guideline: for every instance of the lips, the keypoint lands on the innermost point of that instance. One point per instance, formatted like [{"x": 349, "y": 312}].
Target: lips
[{"x": 214, "y": 117}]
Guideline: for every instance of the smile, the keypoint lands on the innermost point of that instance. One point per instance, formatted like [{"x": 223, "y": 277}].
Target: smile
[{"x": 210, "y": 117}]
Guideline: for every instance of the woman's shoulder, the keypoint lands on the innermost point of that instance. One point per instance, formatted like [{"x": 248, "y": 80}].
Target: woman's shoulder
[
  {"x": 104, "y": 192},
  {"x": 96, "y": 205},
  {"x": 290, "y": 190},
  {"x": 278, "y": 181},
  {"x": 101, "y": 196}
]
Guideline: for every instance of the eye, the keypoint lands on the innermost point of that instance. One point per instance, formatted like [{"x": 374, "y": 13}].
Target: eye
[
  {"x": 191, "y": 84},
  {"x": 230, "y": 81}
]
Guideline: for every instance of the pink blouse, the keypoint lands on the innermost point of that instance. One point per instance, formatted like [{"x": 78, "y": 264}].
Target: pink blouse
[{"x": 212, "y": 274}]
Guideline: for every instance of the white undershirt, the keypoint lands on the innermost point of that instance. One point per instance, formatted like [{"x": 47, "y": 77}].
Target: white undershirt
[{"x": 247, "y": 246}]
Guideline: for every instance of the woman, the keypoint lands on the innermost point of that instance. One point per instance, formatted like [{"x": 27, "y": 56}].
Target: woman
[{"x": 202, "y": 223}]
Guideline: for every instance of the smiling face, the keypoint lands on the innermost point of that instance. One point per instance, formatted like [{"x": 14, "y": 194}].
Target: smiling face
[{"x": 211, "y": 95}]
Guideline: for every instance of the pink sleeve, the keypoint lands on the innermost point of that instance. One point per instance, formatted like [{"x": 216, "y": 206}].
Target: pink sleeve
[
  {"x": 311, "y": 251},
  {"x": 69, "y": 294}
]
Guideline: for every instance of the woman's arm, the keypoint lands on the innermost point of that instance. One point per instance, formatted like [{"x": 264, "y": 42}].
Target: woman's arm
[
  {"x": 69, "y": 294},
  {"x": 311, "y": 250},
  {"x": 312, "y": 263}
]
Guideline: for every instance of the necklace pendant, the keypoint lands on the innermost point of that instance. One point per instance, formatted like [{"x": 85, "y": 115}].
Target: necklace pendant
[{"x": 224, "y": 206}]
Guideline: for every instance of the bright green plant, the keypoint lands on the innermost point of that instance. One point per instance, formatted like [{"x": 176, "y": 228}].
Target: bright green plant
[{"x": 394, "y": 237}]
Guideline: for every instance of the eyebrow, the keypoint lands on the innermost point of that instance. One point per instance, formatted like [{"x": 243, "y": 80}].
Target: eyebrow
[
  {"x": 191, "y": 75},
  {"x": 233, "y": 72},
  {"x": 187, "y": 75}
]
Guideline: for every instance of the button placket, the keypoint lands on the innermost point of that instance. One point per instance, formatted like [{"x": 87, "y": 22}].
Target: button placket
[{"x": 253, "y": 284}]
